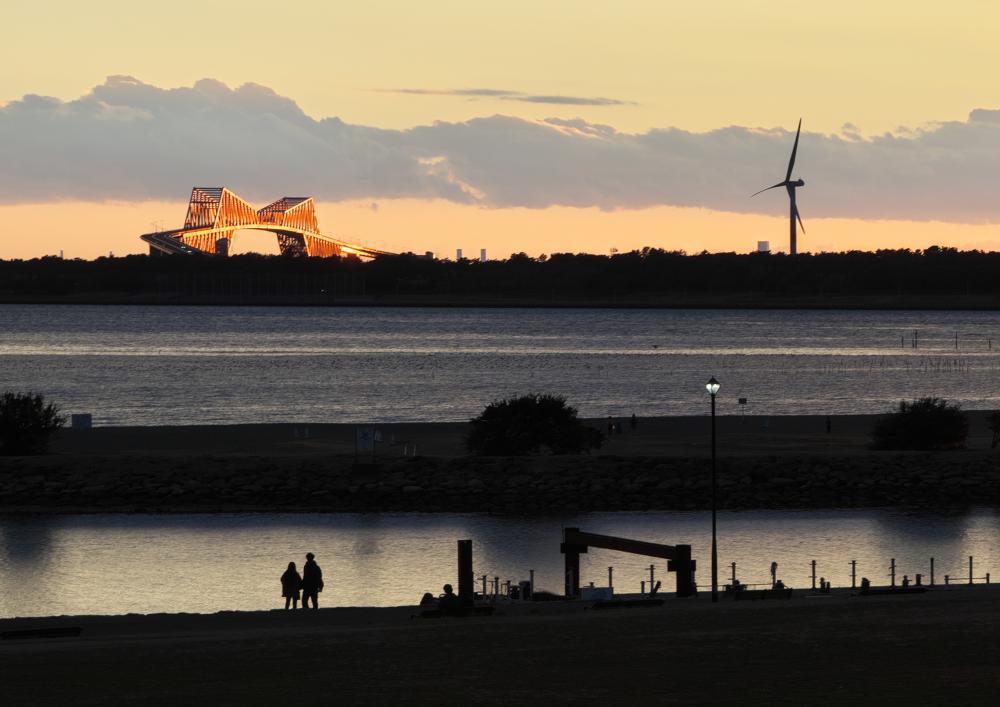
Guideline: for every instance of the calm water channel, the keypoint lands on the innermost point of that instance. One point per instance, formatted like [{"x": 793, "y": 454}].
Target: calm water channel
[
  {"x": 114, "y": 564},
  {"x": 213, "y": 365}
]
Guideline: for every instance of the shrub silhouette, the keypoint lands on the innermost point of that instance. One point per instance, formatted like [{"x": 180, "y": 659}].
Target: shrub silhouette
[
  {"x": 527, "y": 424},
  {"x": 26, "y": 422},
  {"x": 927, "y": 423}
]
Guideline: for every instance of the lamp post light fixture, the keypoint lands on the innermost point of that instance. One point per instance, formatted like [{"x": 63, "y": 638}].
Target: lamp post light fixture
[{"x": 713, "y": 387}]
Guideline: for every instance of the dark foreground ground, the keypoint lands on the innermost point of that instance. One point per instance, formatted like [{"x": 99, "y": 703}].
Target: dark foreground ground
[{"x": 933, "y": 649}]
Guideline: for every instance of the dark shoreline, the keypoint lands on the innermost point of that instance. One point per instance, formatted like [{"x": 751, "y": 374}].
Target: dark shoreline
[
  {"x": 733, "y": 301},
  {"x": 928, "y": 649}
]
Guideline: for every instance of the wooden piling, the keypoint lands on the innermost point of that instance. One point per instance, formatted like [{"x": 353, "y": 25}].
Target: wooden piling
[{"x": 466, "y": 580}]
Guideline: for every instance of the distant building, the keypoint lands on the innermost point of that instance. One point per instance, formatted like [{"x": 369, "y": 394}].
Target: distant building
[
  {"x": 458, "y": 254},
  {"x": 763, "y": 246},
  {"x": 482, "y": 255}
]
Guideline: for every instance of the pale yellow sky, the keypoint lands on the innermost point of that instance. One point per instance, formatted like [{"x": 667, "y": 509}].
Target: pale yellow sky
[
  {"x": 697, "y": 66},
  {"x": 874, "y": 63}
]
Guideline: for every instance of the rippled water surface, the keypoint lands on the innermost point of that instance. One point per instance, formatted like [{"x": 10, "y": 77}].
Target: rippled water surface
[
  {"x": 156, "y": 365},
  {"x": 204, "y": 563}
]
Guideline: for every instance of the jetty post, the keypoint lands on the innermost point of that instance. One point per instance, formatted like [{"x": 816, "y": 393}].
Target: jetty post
[{"x": 466, "y": 581}]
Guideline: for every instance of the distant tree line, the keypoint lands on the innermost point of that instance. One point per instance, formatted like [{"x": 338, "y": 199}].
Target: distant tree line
[{"x": 649, "y": 272}]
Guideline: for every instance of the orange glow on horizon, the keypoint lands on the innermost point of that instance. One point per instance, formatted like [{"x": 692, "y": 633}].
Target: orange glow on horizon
[{"x": 89, "y": 230}]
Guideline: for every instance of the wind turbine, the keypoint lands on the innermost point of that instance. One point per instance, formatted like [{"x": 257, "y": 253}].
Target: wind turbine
[{"x": 790, "y": 186}]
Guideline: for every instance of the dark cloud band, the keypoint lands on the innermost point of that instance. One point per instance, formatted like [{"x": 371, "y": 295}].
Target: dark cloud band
[
  {"x": 128, "y": 140},
  {"x": 505, "y": 95}
]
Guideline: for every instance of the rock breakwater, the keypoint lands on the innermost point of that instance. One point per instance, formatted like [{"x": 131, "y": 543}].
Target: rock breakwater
[{"x": 536, "y": 485}]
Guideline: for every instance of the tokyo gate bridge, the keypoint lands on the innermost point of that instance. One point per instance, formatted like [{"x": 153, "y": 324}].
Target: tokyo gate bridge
[{"x": 215, "y": 214}]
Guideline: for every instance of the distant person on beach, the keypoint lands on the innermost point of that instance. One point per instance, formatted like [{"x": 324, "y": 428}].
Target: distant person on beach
[
  {"x": 312, "y": 582},
  {"x": 291, "y": 583},
  {"x": 448, "y": 602},
  {"x": 633, "y": 422}
]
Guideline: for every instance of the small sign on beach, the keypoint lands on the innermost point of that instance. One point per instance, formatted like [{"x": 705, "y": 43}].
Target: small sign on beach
[{"x": 365, "y": 439}]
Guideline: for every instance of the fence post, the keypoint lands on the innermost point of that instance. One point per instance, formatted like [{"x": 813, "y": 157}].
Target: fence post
[
  {"x": 970, "y": 569},
  {"x": 892, "y": 572},
  {"x": 611, "y": 584},
  {"x": 814, "y": 574},
  {"x": 946, "y": 578},
  {"x": 854, "y": 574},
  {"x": 734, "y": 573},
  {"x": 932, "y": 571}
]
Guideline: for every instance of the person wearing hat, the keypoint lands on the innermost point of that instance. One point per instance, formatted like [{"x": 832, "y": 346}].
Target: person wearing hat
[{"x": 312, "y": 582}]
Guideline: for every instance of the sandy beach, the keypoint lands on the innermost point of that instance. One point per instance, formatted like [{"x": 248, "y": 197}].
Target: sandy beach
[{"x": 931, "y": 649}]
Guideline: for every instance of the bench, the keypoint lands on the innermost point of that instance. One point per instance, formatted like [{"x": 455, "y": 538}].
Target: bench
[{"x": 56, "y": 632}]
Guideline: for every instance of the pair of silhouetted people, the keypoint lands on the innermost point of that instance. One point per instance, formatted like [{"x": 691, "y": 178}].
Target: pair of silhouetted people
[{"x": 310, "y": 583}]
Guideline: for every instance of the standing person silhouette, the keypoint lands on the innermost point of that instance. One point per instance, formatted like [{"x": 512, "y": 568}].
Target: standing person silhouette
[
  {"x": 312, "y": 582},
  {"x": 291, "y": 583}
]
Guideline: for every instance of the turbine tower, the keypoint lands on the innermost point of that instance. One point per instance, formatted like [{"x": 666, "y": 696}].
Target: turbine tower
[{"x": 790, "y": 186}]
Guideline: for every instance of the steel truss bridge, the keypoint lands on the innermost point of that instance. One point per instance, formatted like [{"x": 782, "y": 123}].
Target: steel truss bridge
[{"x": 215, "y": 214}]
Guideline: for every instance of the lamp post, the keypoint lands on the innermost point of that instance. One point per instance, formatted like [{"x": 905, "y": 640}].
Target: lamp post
[{"x": 713, "y": 387}]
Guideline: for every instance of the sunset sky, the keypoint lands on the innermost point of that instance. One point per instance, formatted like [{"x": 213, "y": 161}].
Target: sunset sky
[{"x": 524, "y": 126}]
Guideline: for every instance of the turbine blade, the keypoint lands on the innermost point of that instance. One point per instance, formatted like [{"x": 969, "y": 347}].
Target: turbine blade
[
  {"x": 779, "y": 184},
  {"x": 800, "y": 219},
  {"x": 795, "y": 147}
]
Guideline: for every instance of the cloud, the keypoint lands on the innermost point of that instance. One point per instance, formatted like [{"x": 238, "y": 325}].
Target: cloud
[
  {"x": 505, "y": 95},
  {"x": 128, "y": 140},
  {"x": 472, "y": 92}
]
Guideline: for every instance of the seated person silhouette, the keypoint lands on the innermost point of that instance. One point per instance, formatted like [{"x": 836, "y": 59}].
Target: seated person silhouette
[{"x": 448, "y": 602}]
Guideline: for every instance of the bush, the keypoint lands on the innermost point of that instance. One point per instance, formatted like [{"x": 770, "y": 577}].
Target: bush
[
  {"x": 527, "y": 424},
  {"x": 26, "y": 421},
  {"x": 927, "y": 423}
]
